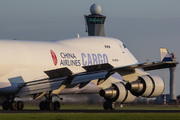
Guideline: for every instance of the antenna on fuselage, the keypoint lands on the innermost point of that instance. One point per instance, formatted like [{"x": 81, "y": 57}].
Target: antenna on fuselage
[{"x": 78, "y": 36}]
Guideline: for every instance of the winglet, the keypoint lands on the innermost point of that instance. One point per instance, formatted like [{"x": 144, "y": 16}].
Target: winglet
[{"x": 165, "y": 56}]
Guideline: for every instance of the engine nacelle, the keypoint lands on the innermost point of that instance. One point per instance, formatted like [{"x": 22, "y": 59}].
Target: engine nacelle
[
  {"x": 117, "y": 93},
  {"x": 146, "y": 86}
]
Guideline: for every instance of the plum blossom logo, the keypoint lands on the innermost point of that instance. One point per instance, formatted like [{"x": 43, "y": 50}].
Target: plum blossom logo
[{"x": 54, "y": 58}]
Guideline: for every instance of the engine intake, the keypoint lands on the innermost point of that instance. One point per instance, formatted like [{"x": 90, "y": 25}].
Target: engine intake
[
  {"x": 117, "y": 93},
  {"x": 146, "y": 86}
]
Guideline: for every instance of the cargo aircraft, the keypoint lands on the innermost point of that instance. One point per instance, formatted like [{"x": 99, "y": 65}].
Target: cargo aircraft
[{"x": 42, "y": 68}]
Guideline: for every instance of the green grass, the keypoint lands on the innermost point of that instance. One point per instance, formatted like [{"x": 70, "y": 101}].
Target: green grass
[
  {"x": 90, "y": 116},
  {"x": 95, "y": 116},
  {"x": 75, "y": 106},
  {"x": 148, "y": 107},
  {"x": 83, "y": 106}
]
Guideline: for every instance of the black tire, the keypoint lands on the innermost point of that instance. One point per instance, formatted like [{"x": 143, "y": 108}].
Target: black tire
[
  {"x": 112, "y": 106},
  {"x": 5, "y": 105},
  {"x": 50, "y": 105},
  {"x": 42, "y": 105},
  {"x": 13, "y": 105},
  {"x": 106, "y": 105},
  {"x": 57, "y": 105},
  {"x": 20, "y": 105}
]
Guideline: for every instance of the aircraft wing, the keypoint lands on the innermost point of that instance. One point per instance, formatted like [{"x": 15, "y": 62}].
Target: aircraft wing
[
  {"x": 166, "y": 62},
  {"x": 64, "y": 76},
  {"x": 149, "y": 65}
]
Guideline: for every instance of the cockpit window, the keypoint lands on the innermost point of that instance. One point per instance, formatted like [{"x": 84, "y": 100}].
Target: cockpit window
[{"x": 124, "y": 46}]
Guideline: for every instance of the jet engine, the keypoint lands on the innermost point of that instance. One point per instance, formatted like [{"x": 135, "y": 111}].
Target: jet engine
[
  {"x": 117, "y": 93},
  {"x": 146, "y": 86}
]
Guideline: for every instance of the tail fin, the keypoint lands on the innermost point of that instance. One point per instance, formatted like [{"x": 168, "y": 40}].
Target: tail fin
[{"x": 165, "y": 56}]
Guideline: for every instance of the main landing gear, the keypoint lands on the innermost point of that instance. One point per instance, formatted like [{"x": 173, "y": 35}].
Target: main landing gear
[
  {"x": 49, "y": 105},
  {"x": 12, "y": 105},
  {"x": 109, "y": 105}
]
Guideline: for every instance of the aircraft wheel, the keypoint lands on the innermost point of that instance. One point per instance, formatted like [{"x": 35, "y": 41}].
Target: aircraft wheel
[
  {"x": 50, "y": 105},
  {"x": 5, "y": 105},
  {"x": 20, "y": 105},
  {"x": 42, "y": 105},
  {"x": 106, "y": 105},
  {"x": 57, "y": 105},
  {"x": 112, "y": 106},
  {"x": 13, "y": 105}
]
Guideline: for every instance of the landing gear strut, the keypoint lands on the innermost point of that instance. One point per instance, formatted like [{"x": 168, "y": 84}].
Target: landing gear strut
[{"x": 109, "y": 105}]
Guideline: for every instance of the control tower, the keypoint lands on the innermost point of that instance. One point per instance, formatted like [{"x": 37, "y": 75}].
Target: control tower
[
  {"x": 95, "y": 21},
  {"x": 173, "y": 98}
]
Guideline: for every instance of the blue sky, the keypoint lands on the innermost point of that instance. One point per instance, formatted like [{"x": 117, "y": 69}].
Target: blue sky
[{"x": 143, "y": 25}]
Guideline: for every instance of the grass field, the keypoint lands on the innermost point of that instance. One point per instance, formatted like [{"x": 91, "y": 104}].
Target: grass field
[
  {"x": 95, "y": 116},
  {"x": 72, "y": 106},
  {"x": 90, "y": 116}
]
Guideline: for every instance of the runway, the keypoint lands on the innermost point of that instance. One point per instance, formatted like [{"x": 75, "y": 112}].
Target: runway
[{"x": 90, "y": 111}]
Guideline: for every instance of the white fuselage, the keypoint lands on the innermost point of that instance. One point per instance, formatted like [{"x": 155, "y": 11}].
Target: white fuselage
[{"x": 24, "y": 61}]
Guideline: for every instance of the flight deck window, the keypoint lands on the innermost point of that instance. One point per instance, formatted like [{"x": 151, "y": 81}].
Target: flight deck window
[{"x": 124, "y": 46}]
